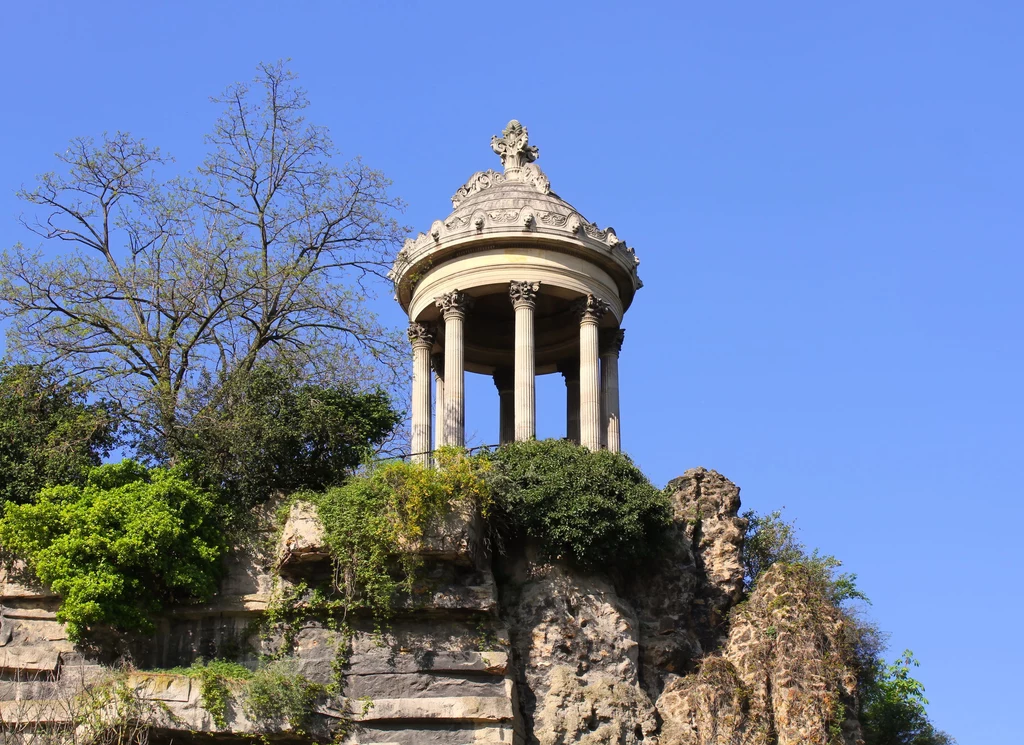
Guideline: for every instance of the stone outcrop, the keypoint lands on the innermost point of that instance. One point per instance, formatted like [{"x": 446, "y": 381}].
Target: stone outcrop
[
  {"x": 781, "y": 677},
  {"x": 683, "y": 602},
  {"x": 577, "y": 652},
  {"x": 491, "y": 649}
]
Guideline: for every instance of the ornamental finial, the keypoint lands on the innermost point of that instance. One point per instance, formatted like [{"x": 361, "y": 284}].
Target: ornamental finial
[{"x": 514, "y": 147}]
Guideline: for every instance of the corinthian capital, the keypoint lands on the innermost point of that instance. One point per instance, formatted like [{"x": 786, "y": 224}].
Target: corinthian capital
[
  {"x": 611, "y": 341},
  {"x": 523, "y": 293},
  {"x": 422, "y": 334},
  {"x": 590, "y": 308},
  {"x": 453, "y": 304}
]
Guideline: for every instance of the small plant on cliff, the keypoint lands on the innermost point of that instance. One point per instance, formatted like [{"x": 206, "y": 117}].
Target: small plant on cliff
[
  {"x": 591, "y": 508},
  {"x": 215, "y": 678},
  {"x": 277, "y": 694},
  {"x": 120, "y": 547}
]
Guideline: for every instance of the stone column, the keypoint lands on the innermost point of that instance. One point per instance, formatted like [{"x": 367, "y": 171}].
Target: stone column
[
  {"x": 589, "y": 310},
  {"x": 571, "y": 372},
  {"x": 453, "y": 308},
  {"x": 524, "y": 301},
  {"x": 504, "y": 381},
  {"x": 437, "y": 362},
  {"x": 421, "y": 336},
  {"x": 611, "y": 345}
]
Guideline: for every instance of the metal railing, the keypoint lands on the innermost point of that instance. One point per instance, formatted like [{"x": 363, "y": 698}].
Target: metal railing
[{"x": 429, "y": 453}]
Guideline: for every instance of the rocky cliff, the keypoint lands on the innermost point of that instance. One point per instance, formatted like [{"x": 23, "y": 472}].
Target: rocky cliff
[{"x": 493, "y": 648}]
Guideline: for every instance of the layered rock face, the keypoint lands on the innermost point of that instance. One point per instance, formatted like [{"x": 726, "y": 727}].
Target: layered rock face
[{"x": 542, "y": 654}]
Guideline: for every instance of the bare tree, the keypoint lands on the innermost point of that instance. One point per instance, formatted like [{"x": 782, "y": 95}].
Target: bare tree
[{"x": 268, "y": 249}]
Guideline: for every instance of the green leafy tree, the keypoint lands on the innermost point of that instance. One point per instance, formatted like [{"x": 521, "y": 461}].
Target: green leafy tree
[
  {"x": 268, "y": 249},
  {"x": 119, "y": 547},
  {"x": 264, "y": 432},
  {"x": 591, "y": 508},
  {"x": 893, "y": 708},
  {"x": 49, "y": 431}
]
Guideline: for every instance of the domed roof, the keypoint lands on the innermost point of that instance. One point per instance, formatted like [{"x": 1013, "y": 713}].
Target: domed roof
[{"x": 515, "y": 205}]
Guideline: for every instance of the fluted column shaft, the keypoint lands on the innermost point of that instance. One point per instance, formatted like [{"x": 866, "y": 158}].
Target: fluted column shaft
[
  {"x": 437, "y": 362},
  {"x": 571, "y": 372},
  {"x": 524, "y": 301},
  {"x": 421, "y": 336},
  {"x": 504, "y": 381},
  {"x": 590, "y": 309},
  {"x": 453, "y": 308},
  {"x": 611, "y": 345}
]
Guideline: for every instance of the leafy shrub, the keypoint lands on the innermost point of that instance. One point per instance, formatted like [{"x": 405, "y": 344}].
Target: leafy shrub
[
  {"x": 276, "y": 694},
  {"x": 119, "y": 547},
  {"x": 772, "y": 540},
  {"x": 368, "y": 521},
  {"x": 593, "y": 508},
  {"x": 49, "y": 433},
  {"x": 263, "y": 432},
  {"x": 893, "y": 708}
]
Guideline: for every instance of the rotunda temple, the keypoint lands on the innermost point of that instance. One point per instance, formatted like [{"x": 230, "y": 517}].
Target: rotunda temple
[{"x": 515, "y": 283}]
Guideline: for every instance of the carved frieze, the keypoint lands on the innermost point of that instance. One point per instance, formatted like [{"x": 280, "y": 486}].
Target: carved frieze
[{"x": 477, "y": 182}]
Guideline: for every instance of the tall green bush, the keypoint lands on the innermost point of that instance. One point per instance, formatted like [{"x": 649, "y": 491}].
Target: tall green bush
[
  {"x": 266, "y": 431},
  {"x": 120, "y": 546},
  {"x": 591, "y": 508},
  {"x": 50, "y": 433}
]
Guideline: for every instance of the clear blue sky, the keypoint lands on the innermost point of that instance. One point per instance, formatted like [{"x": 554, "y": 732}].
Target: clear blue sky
[{"x": 827, "y": 202}]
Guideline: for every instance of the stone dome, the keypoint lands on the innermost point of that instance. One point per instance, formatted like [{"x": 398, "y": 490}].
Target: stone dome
[{"x": 509, "y": 210}]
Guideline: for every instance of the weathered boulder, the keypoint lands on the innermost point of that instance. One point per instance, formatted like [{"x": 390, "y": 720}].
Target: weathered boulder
[
  {"x": 711, "y": 707},
  {"x": 683, "y": 599},
  {"x": 706, "y": 506},
  {"x": 575, "y": 642},
  {"x": 302, "y": 537}
]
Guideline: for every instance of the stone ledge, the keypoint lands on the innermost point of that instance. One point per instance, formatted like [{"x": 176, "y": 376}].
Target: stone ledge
[
  {"x": 423, "y": 685},
  {"x": 162, "y": 686},
  {"x": 494, "y": 663},
  {"x": 457, "y": 538},
  {"x": 442, "y": 708},
  {"x": 254, "y": 603},
  {"x": 28, "y": 660},
  {"x": 12, "y": 589}
]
